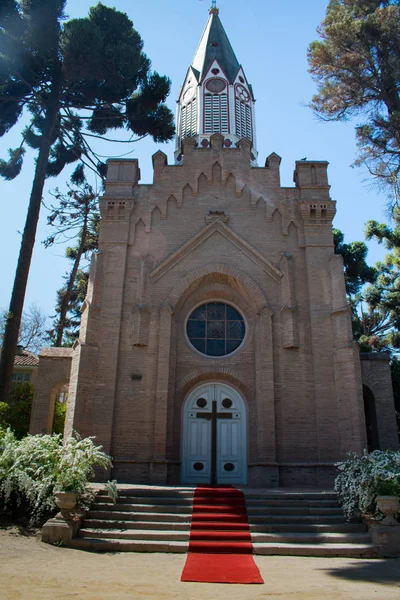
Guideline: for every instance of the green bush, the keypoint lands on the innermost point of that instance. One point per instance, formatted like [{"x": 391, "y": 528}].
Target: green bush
[
  {"x": 362, "y": 478},
  {"x": 3, "y": 414},
  {"x": 33, "y": 468},
  {"x": 59, "y": 417},
  {"x": 16, "y": 414}
]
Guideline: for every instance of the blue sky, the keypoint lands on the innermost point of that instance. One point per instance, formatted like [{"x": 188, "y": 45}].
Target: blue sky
[{"x": 270, "y": 40}]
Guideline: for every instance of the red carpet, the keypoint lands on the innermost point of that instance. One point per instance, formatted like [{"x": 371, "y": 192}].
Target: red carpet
[{"x": 220, "y": 548}]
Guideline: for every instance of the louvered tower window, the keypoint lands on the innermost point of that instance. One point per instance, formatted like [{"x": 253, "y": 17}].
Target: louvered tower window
[
  {"x": 244, "y": 128},
  {"x": 216, "y": 113},
  {"x": 243, "y": 120},
  {"x": 189, "y": 119}
]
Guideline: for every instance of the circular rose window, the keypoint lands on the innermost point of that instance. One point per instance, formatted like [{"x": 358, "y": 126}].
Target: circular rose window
[{"x": 215, "y": 329}]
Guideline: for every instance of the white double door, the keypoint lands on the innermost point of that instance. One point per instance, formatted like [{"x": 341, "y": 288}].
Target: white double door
[{"x": 214, "y": 436}]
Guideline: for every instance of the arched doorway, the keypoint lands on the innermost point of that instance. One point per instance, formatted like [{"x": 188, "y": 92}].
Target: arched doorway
[{"x": 214, "y": 436}]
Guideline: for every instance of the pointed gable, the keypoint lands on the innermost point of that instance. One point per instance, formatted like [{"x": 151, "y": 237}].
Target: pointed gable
[{"x": 215, "y": 45}]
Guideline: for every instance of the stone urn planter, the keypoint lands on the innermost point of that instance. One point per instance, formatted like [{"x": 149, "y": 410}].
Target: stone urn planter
[
  {"x": 386, "y": 533},
  {"x": 66, "y": 502},
  {"x": 63, "y": 527},
  {"x": 389, "y": 506}
]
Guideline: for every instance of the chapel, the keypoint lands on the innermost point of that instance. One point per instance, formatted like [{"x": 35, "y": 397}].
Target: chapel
[{"x": 216, "y": 342}]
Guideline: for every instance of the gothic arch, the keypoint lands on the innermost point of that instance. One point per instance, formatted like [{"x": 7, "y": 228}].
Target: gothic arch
[
  {"x": 216, "y": 173},
  {"x": 54, "y": 372},
  {"x": 225, "y": 374},
  {"x": 178, "y": 293},
  {"x": 202, "y": 182}
]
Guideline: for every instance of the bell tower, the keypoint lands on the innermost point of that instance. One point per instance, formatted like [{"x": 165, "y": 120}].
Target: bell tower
[{"x": 216, "y": 96}]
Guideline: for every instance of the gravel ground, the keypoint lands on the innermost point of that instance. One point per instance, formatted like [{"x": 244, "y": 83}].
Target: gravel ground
[{"x": 31, "y": 570}]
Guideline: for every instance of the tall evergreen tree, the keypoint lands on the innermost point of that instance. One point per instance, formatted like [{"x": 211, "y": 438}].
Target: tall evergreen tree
[
  {"x": 72, "y": 318},
  {"x": 77, "y": 80},
  {"x": 76, "y": 217},
  {"x": 375, "y": 308},
  {"x": 356, "y": 270},
  {"x": 356, "y": 65},
  {"x": 383, "y": 297}
]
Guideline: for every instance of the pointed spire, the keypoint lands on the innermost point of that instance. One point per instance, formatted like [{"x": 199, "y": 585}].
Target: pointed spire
[{"x": 215, "y": 45}]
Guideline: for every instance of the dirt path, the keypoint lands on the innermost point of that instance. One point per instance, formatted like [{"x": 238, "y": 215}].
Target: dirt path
[{"x": 31, "y": 570}]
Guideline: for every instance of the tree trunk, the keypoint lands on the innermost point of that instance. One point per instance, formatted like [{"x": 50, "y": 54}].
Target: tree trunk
[
  {"x": 28, "y": 241},
  {"x": 67, "y": 296}
]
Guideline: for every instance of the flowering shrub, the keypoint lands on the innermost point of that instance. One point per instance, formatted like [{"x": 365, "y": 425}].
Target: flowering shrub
[
  {"x": 362, "y": 478},
  {"x": 33, "y": 468}
]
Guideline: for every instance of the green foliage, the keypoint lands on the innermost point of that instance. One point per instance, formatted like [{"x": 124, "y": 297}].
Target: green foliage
[
  {"x": 76, "y": 80},
  {"x": 362, "y": 478},
  {"x": 356, "y": 270},
  {"x": 17, "y": 413},
  {"x": 11, "y": 168},
  {"x": 112, "y": 490},
  {"x": 102, "y": 76},
  {"x": 32, "y": 469},
  {"x": 3, "y": 414},
  {"x": 383, "y": 297},
  {"x": 375, "y": 308},
  {"x": 60, "y": 411},
  {"x": 75, "y": 217},
  {"x": 356, "y": 65}
]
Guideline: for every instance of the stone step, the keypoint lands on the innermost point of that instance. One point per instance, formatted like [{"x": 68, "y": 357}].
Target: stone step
[
  {"x": 170, "y": 508},
  {"x": 319, "y": 528},
  {"x": 250, "y": 502},
  {"x": 321, "y": 550},
  {"x": 288, "y": 495},
  {"x": 152, "y": 492},
  {"x": 136, "y": 534},
  {"x": 149, "y": 500},
  {"x": 269, "y": 518},
  {"x": 257, "y": 538},
  {"x": 311, "y": 538},
  {"x": 156, "y": 525},
  {"x": 116, "y": 545},
  {"x": 132, "y": 516},
  {"x": 179, "y": 517},
  {"x": 283, "y": 510}
]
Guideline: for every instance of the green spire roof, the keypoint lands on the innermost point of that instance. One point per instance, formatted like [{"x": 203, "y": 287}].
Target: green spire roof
[{"x": 215, "y": 45}]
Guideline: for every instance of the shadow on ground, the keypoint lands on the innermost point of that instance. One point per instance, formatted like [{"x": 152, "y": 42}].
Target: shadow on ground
[
  {"x": 383, "y": 571},
  {"x": 17, "y": 527}
]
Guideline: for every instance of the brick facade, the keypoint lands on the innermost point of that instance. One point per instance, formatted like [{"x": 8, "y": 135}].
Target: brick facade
[{"x": 215, "y": 228}]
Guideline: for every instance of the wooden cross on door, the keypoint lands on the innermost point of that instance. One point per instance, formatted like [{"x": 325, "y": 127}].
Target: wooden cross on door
[{"x": 213, "y": 416}]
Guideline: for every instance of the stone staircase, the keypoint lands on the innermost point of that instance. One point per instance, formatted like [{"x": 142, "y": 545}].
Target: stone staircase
[{"x": 157, "y": 519}]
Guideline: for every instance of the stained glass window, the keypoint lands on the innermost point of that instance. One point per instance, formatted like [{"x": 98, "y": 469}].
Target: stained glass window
[{"x": 215, "y": 329}]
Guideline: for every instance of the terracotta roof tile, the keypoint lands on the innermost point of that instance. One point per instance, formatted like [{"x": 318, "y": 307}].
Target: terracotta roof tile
[{"x": 25, "y": 359}]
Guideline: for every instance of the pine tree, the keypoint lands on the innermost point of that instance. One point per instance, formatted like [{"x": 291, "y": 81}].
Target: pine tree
[
  {"x": 75, "y": 217},
  {"x": 356, "y": 65},
  {"x": 77, "y": 80}
]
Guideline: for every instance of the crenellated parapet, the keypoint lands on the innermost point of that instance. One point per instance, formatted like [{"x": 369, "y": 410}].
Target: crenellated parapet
[{"x": 216, "y": 180}]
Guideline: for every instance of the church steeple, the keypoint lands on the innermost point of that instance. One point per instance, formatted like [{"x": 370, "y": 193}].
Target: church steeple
[{"x": 215, "y": 96}]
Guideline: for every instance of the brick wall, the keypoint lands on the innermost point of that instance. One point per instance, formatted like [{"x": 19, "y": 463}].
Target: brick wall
[{"x": 377, "y": 378}]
